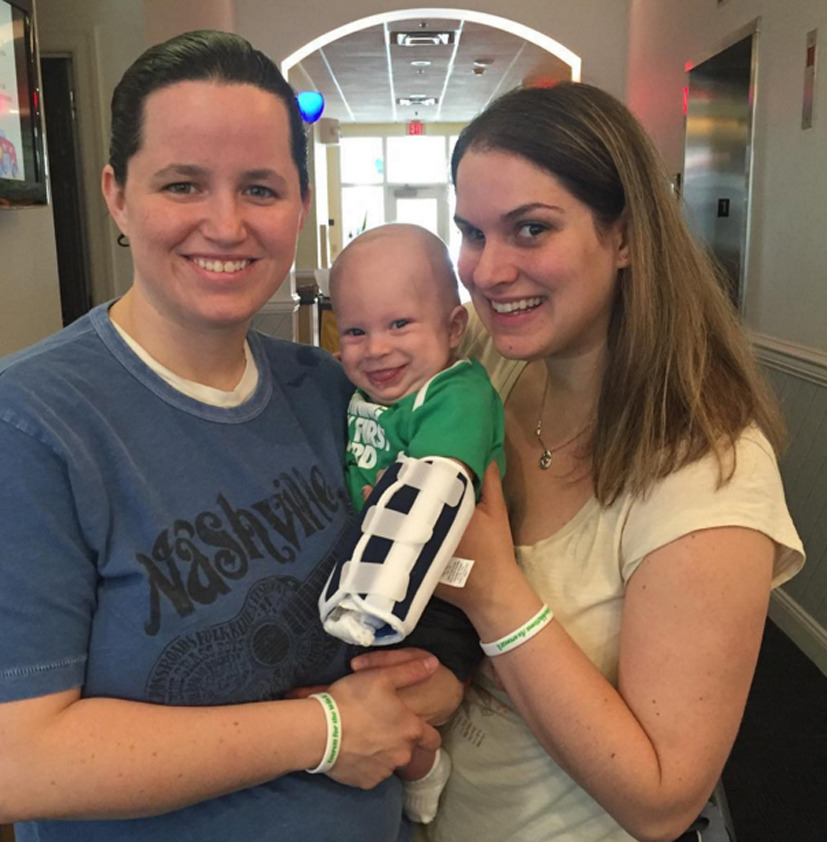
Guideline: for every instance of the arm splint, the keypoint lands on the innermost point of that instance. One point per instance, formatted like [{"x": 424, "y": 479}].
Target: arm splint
[{"x": 411, "y": 524}]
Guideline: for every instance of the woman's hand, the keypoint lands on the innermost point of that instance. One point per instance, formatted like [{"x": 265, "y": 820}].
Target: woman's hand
[
  {"x": 434, "y": 699},
  {"x": 488, "y": 542},
  {"x": 379, "y": 731}
]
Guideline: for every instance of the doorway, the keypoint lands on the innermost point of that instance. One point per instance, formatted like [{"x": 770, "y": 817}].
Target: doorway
[
  {"x": 57, "y": 75},
  {"x": 425, "y": 205},
  {"x": 718, "y": 153}
]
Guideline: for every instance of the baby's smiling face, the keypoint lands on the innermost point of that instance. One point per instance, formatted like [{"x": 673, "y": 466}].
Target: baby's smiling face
[{"x": 397, "y": 329}]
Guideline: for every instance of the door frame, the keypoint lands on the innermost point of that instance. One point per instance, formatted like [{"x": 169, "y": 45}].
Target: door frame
[{"x": 83, "y": 49}]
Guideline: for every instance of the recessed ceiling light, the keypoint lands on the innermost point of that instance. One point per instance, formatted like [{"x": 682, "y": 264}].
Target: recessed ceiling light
[
  {"x": 483, "y": 62},
  {"x": 423, "y": 39},
  {"x": 417, "y": 100},
  {"x": 420, "y": 63}
]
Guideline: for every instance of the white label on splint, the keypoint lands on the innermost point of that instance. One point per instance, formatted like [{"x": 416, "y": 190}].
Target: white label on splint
[{"x": 456, "y": 572}]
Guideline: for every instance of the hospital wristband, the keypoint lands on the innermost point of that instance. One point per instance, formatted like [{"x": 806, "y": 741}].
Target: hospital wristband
[
  {"x": 334, "y": 733},
  {"x": 519, "y": 636}
]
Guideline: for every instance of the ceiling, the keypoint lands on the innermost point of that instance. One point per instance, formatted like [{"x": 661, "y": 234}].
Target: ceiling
[{"x": 363, "y": 75}]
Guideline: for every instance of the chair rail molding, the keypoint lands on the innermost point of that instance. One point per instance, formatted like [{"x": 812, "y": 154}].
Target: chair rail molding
[{"x": 807, "y": 363}]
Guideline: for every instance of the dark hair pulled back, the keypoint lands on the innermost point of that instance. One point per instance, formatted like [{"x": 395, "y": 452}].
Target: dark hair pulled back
[{"x": 203, "y": 55}]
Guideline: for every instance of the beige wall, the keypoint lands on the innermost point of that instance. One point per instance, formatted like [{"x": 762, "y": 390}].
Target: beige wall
[
  {"x": 163, "y": 19},
  {"x": 786, "y": 293},
  {"x": 29, "y": 295}
]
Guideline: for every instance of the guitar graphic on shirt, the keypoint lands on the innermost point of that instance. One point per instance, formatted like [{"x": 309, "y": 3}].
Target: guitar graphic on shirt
[{"x": 274, "y": 643}]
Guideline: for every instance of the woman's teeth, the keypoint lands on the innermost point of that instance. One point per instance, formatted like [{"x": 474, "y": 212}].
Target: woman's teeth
[
  {"x": 220, "y": 265},
  {"x": 515, "y": 306}
]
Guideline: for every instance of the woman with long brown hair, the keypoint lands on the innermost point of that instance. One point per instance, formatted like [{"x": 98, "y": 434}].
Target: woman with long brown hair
[{"x": 622, "y": 611}]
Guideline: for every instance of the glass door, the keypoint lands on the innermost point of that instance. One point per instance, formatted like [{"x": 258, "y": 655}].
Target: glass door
[{"x": 425, "y": 205}]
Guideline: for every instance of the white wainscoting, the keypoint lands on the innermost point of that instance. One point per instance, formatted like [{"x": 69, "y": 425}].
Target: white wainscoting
[{"x": 799, "y": 377}]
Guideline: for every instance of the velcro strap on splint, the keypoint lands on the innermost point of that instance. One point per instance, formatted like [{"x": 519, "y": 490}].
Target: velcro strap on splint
[
  {"x": 379, "y": 580},
  {"x": 442, "y": 487}
]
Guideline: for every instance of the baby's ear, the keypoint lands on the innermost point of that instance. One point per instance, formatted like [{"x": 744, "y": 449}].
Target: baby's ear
[{"x": 457, "y": 322}]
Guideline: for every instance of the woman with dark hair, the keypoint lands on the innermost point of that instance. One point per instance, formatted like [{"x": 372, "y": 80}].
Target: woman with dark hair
[
  {"x": 171, "y": 501},
  {"x": 622, "y": 611}
]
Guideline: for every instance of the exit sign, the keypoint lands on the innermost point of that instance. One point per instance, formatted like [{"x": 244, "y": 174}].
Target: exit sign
[{"x": 416, "y": 127}]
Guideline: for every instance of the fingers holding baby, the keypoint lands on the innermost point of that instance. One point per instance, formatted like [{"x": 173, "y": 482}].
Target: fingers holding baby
[
  {"x": 488, "y": 542},
  {"x": 379, "y": 731}
]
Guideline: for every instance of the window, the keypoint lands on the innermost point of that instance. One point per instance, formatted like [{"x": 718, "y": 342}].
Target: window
[
  {"x": 417, "y": 160},
  {"x": 362, "y": 160},
  {"x": 363, "y": 207},
  {"x": 398, "y": 179}
]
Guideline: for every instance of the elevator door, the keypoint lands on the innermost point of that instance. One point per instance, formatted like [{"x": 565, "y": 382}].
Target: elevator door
[{"x": 717, "y": 156}]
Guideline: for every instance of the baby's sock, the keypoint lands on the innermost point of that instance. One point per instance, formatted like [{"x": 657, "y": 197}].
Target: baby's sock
[{"x": 421, "y": 798}]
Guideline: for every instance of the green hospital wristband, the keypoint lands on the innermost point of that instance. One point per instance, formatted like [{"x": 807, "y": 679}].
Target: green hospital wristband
[
  {"x": 519, "y": 636},
  {"x": 334, "y": 733}
]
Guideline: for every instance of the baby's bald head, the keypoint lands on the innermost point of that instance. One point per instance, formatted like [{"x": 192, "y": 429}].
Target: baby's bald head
[{"x": 411, "y": 250}]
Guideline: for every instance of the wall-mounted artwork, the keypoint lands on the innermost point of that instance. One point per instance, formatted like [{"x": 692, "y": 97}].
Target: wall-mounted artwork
[{"x": 22, "y": 159}]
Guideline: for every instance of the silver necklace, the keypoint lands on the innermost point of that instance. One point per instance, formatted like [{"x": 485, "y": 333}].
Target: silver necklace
[{"x": 546, "y": 456}]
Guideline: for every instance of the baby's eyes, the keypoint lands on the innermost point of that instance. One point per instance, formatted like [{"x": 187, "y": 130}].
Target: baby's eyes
[
  {"x": 353, "y": 331},
  {"x": 399, "y": 323}
]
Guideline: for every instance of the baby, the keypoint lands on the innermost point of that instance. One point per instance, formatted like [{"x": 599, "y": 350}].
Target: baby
[{"x": 422, "y": 428}]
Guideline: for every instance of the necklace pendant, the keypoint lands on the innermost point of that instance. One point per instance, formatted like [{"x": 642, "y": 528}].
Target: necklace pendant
[{"x": 545, "y": 460}]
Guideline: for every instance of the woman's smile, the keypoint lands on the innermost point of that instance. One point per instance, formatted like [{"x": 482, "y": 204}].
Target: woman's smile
[
  {"x": 220, "y": 266},
  {"x": 519, "y": 305}
]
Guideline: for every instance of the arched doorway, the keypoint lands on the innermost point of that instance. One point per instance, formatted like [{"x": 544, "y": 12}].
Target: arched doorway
[{"x": 399, "y": 86}]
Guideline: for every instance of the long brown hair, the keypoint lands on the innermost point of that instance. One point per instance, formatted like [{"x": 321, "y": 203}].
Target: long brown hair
[{"x": 680, "y": 379}]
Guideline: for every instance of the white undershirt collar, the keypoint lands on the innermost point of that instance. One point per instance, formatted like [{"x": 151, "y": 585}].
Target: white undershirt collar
[{"x": 198, "y": 391}]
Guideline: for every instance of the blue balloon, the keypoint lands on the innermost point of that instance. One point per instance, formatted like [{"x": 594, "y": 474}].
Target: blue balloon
[{"x": 311, "y": 105}]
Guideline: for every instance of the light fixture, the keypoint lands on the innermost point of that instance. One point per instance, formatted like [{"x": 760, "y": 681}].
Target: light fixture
[
  {"x": 423, "y": 39},
  {"x": 420, "y": 63},
  {"x": 417, "y": 100}
]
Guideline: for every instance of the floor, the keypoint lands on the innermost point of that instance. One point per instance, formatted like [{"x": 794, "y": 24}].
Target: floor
[{"x": 776, "y": 777}]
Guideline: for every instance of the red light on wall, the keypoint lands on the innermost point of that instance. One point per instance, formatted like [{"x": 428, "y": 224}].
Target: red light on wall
[
  {"x": 416, "y": 127},
  {"x": 540, "y": 81}
]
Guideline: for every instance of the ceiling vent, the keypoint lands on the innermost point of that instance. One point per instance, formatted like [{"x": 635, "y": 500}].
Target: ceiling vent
[
  {"x": 417, "y": 100},
  {"x": 423, "y": 39}
]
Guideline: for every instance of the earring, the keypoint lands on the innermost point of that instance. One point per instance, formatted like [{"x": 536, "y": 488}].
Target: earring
[{"x": 123, "y": 241}]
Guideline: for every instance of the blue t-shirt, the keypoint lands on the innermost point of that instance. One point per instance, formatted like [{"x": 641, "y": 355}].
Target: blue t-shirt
[{"x": 159, "y": 549}]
